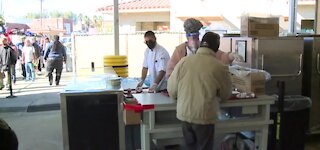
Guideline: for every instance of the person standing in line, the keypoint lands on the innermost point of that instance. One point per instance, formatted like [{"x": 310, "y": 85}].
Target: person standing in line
[
  {"x": 55, "y": 55},
  {"x": 28, "y": 55},
  {"x": 188, "y": 48},
  {"x": 155, "y": 61},
  {"x": 198, "y": 83}
]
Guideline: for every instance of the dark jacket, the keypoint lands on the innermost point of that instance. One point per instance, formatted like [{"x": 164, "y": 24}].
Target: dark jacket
[
  {"x": 37, "y": 49},
  {"x": 58, "y": 53}
]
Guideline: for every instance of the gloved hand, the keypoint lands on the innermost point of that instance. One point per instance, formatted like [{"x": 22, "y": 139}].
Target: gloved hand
[
  {"x": 236, "y": 57},
  {"x": 152, "y": 89},
  {"x": 139, "y": 86}
]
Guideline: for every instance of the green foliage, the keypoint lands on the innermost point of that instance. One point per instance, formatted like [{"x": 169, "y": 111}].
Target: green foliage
[
  {"x": 97, "y": 22},
  {"x": 2, "y": 21},
  {"x": 69, "y": 15},
  {"x": 55, "y": 14},
  {"x": 33, "y": 15},
  {"x": 85, "y": 21}
]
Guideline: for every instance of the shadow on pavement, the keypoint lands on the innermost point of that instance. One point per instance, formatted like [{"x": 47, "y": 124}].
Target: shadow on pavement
[{"x": 31, "y": 102}]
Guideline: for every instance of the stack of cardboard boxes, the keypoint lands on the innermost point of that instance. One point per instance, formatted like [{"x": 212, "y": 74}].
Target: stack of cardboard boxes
[
  {"x": 254, "y": 82},
  {"x": 259, "y": 27}
]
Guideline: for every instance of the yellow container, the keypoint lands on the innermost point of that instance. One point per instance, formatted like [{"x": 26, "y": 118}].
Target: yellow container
[{"x": 119, "y": 64}]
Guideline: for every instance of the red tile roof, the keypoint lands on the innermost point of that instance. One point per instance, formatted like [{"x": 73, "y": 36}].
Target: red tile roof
[{"x": 139, "y": 4}]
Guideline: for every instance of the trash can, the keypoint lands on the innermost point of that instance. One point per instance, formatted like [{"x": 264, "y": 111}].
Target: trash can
[{"x": 294, "y": 122}]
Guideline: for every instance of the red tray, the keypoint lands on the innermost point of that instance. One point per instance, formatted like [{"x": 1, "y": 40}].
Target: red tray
[{"x": 137, "y": 107}]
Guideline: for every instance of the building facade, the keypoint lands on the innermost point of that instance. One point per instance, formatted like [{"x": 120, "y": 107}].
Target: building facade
[
  {"x": 169, "y": 15},
  {"x": 52, "y": 26}
]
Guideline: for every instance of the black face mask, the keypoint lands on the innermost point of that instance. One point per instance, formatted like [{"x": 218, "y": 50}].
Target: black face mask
[
  {"x": 6, "y": 46},
  {"x": 151, "y": 44}
]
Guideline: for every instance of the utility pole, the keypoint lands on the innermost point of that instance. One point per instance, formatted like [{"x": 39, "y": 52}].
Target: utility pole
[
  {"x": 293, "y": 6},
  {"x": 116, "y": 26},
  {"x": 41, "y": 14},
  {"x": 317, "y": 21},
  {"x": 1, "y": 8}
]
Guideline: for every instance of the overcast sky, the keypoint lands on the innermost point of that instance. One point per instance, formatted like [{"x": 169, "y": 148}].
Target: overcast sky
[{"x": 22, "y": 7}]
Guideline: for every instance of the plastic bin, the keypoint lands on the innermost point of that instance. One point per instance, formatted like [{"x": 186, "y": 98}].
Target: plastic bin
[{"x": 295, "y": 122}]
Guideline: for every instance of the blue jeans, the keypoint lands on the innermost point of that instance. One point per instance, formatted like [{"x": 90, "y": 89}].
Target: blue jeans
[{"x": 29, "y": 71}]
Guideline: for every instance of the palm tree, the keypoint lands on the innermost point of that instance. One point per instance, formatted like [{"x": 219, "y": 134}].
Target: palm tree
[
  {"x": 2, "y": 23},
  {"x": 97, "y": 22},
  {"x": 68, "y": 15},
  {"x": 86, "y": 22},
  {"x": 79, "y": 18}
]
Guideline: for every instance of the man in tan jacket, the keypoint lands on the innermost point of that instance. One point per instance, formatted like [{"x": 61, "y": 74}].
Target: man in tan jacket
[
  {"x": 198, "y": 83},
  {"x": 192, "y": 27}
]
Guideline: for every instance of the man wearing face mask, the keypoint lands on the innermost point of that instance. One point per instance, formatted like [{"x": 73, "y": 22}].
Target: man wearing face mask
[
  {"x": 155, "y": 62},
  {"x": 192, "y": 27}
]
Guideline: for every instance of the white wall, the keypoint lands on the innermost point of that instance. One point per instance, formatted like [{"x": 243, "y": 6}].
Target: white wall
[
  {"x": 318, "y": 18},
  {"x": 229, "y": 10},
  {"x": 128, "y": 21},
  {"x": 92, "y": 48},
  {"x": 307, "y": 11}
]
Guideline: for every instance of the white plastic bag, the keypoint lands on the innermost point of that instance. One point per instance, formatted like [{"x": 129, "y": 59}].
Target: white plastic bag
[{"x": 244, "y": 71}]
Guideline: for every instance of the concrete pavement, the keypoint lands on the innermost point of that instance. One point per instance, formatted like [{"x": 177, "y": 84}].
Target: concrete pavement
[
  {"x": 33, "y": 96},
  {"x": 36, "y": 130}
]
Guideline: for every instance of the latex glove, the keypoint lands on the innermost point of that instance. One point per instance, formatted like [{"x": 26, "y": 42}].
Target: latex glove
[
  {"x": 236, "y": 57},
  {"x": 153, "y": 88},
  {"x": 139, "y": 86}
]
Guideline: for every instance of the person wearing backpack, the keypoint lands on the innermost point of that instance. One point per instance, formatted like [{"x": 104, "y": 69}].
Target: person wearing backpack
[{"x": 13, "y": 57}]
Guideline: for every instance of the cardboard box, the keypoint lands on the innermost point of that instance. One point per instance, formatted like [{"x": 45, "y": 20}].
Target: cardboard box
[
  {"x": 130, "y": 117},
  {"x": 307, "y": 24},
  {"x": 253, "y": 82},
  {"x": 259, "y": 27}
]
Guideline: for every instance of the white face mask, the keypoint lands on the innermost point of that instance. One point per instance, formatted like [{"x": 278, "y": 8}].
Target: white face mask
[
  {"x": 193, "y": 48},
  {"x": 193, "y": 44},
  {"x": 190, "y": 52}
]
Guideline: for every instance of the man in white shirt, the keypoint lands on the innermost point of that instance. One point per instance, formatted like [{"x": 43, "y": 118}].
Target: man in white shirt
[
  {"x": 28, "y": 55},
  {"x": 155, "y": 61}
]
